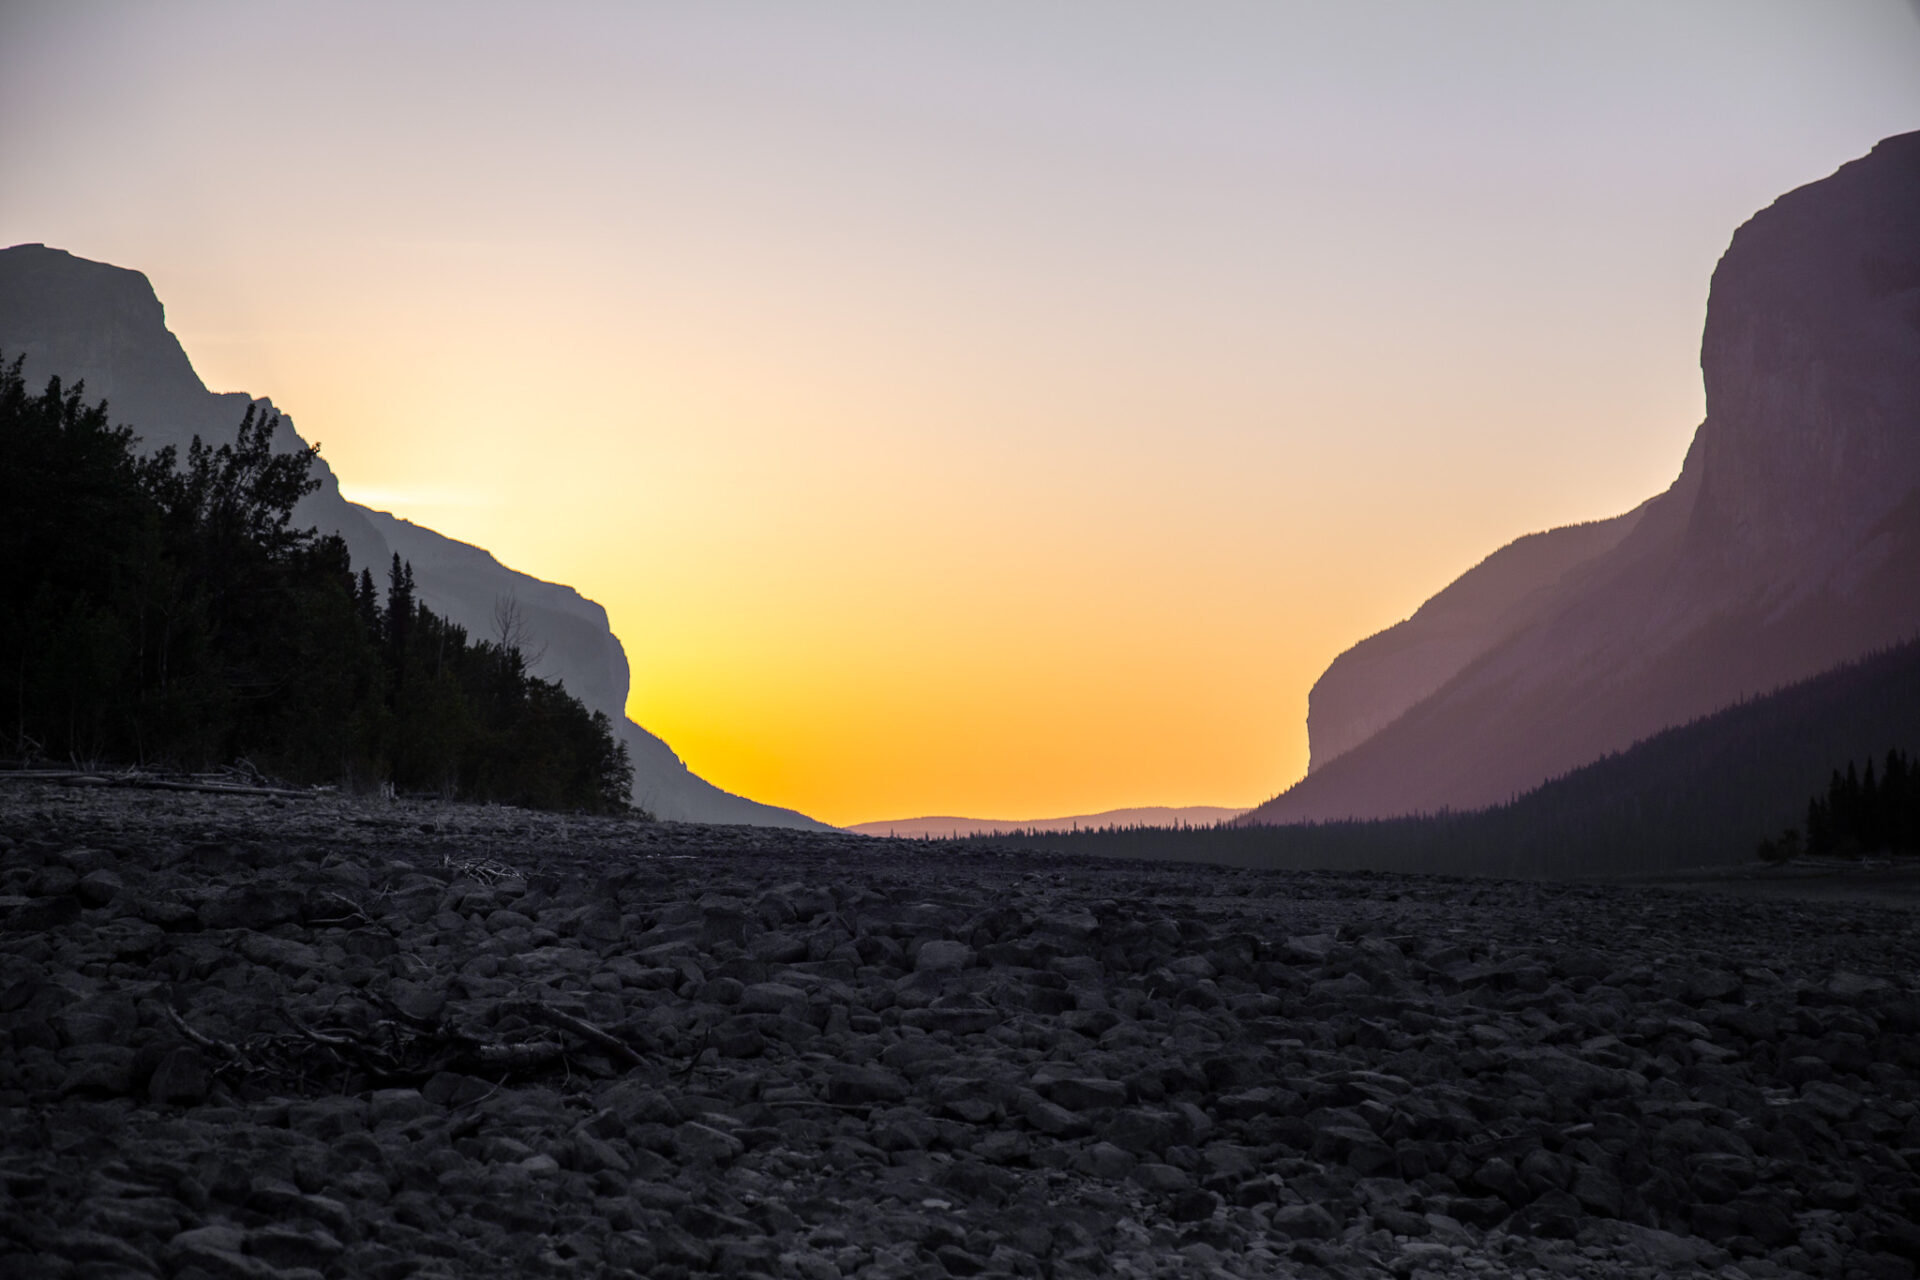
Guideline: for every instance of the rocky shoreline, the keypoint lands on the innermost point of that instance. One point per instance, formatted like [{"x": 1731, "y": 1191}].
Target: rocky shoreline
[{"x": 255, "y": 1037}]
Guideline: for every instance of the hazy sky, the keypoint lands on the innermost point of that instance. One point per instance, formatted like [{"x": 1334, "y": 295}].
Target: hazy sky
[{"x": 998, "y": 409}]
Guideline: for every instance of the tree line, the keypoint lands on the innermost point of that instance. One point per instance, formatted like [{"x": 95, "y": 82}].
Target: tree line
[
  {"x": 164, "y": 610},
  {"x": 1859, "y": 814}
]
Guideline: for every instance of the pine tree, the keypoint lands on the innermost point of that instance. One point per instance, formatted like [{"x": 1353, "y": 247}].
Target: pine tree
[{"x": 366, "y": 605}]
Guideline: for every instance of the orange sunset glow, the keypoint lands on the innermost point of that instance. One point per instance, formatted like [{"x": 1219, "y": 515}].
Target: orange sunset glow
[{"x": 1000, "y": 410}]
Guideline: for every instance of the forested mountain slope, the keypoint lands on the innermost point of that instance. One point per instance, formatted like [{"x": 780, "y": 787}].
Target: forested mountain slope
[{"x": 104, "y": 325}]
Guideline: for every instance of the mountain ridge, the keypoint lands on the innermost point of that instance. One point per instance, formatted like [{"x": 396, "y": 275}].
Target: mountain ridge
[
  {"x": 105, "y": 326},
  {"x": 1139, "y": 816},
  {"x": 1783, "y": 548}
]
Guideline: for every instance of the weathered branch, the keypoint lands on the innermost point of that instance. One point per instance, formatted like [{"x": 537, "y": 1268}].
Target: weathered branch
[
  {"x": 538, "y": 1012},
  {"x": 206, "y": 1042}
]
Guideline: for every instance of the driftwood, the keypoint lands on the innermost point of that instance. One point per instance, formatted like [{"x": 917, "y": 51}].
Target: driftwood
[
  {"x": 349, "y": 912},
  {"x": 619, "y": 1049},
  {"x": 155, "y": 782},
  {"x": 405, "y": 1050},
  {"x": 230, "y": 1052},
  {"x": 484, "y": 870},
  {"x": 218, "y": 788}
]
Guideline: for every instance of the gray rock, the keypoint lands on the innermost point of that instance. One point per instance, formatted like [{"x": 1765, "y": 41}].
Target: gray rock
[
  {"x": 181, "y": 1078},
  {"x": 98, "y": 888},
  {"x": 287, "y": 1247},
  {"x": 854, "y": 1085},
  {"x": 703, "y": 1144},
  {"x": 252, "y": 907},
  {"x": 1082, "y": 1093},
  {"x": 1106, "y": 1161},
  {"x": 1052, "y": 1119},
  {"x": 1145, "y": 1132},
  {"x": 1830, "y": 1101},
  {"x": 942, "y": 955},
  {"x": 1305, "y": 1222},
  {"x": 1161, "y": 1179},
  {"x": 396, "y": 1106}
]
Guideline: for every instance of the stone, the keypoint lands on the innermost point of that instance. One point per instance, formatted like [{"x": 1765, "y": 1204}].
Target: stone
[
  {"x": 855, "y": 1085},
  {"x": 1145, "y": 1132},
  {"x": 1106, "y": 1161},
  {"x": 773, "y": 997},
  {"x": 1599, "y": 1192},
  {"x": 420, "y": 1001},
  {"x": 1052, "y": 1119},
  {"x": 98, "y": 888},
  {"x": 942, "y": 955},
  {"x": 1854, "y": 987},
  {"x": 704, "y": 1144},
  {"x": 256, "y": 907},
  {"x": 1830, "y": 1101},
  {"x": 181, "y": 1078},
  {"x": 328, "y": 1118},
  {"x": 217, "y": 1251},
  {"x": 1305, "y": 1222},
  {"x": 1192, "y": 1205},
  {"x": 280, "y": 953},
  {"x": 1555, "y": 1215},
  {"x": 397, "y": 1106},
  {"x": 287, "y": 1247},
  {"x": 1082, "y": 1093},
  {"x": 103, "y": 1250},
  {"x": 1161, "y": 1179}
]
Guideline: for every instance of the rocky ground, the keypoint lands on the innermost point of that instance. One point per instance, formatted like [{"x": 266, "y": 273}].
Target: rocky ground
[{"x": 256, "y": 1038}]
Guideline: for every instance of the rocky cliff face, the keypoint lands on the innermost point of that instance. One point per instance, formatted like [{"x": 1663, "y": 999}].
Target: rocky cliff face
[
  {"x": 1787, "y": 544},
  {"x": 83, "y": 320},
  {"x": 87, "y": 321}
]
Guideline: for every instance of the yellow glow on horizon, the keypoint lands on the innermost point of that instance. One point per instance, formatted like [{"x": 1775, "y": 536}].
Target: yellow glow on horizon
[{"x": 1017, "y": 578}]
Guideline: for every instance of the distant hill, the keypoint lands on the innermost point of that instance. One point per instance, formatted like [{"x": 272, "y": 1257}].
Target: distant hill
[
  {"x": 84, "y": 320},
  {"x": 1199, "y": 815},
  {"x": 1701, "y": 794},
  {"x": 1787, "y": 544}
]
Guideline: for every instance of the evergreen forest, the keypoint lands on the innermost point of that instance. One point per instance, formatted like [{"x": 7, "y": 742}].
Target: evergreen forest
[
  {"x": 165, "y": 612},
  {"x": 1862, "y": 814}
]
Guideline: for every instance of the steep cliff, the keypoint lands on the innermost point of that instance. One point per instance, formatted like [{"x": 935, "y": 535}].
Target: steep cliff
[
  {"x": 83, "y": 320},
  {"x": 1788, "y": 543}
]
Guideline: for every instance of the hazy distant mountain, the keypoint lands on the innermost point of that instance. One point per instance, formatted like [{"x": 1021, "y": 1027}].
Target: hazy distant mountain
[
  {"x": 1198, "y": 815},
  {"x": 1789, "y": 543},
  {"x": 1370, "y": 685},
  {"x": 87, "y": 320},
  {"x": 1701, "y": 794}
]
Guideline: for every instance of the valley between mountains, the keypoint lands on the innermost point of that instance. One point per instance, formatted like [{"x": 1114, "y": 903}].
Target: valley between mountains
[{"x": 313, "y": 1035}]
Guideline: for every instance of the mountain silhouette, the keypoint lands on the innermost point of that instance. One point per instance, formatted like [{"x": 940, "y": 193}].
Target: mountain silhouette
[
  {"x": 82, "y": 320},
  {"x": 1155, "y": 816},
  {"x": 1787, "y": 545}
]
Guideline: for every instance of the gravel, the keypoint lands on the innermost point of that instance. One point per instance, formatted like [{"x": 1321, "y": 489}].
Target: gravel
[{"x": 259, "y": 1038}]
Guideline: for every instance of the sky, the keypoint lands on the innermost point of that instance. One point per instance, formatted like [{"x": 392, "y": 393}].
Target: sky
[{"x": 998, "y": 409}]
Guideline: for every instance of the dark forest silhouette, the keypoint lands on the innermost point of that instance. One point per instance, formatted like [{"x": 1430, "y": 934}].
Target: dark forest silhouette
[
  {"x": 1859, "y": 814},
  {"x": 164, "y": 610}
]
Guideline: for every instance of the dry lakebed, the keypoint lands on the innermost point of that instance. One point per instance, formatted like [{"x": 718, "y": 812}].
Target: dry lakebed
[{"x": 258, "y": 1037}]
